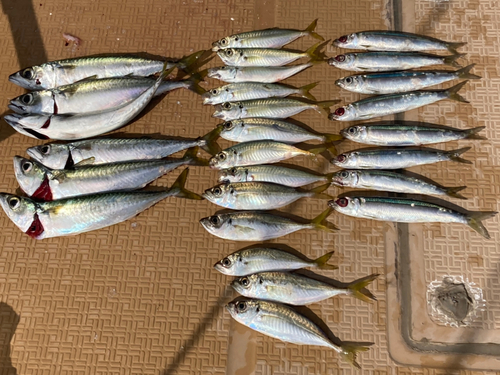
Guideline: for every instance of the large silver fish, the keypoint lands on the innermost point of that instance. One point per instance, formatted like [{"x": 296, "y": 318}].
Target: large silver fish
[
  {"x": 85, "y": 213},
  {"x": 233, "y": 74},
  {"x": 267, "y": 38},
  {"x": 260, "y": 259},
  {"x": 386, "y": 40},
  {"x": 260, "y": 226},
  {"x": 390, "y": 104},
  {"x": 112, "y": 150},
  {"x": 298, "y": 290},
  {"x": 408, "y": 210},
  {"x": 283, "y": 323}
]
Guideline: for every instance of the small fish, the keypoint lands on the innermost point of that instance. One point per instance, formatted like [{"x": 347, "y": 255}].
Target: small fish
[
  {"x": 273, "y": 173},
  {"x": 408, "y": 210},
  {"x": 64, "y": 72},
  {"x": 255, "y": 90},
  {"x": 386, "y": 40},
  {"x": 271, "y": 74},
  {"x": 260, "y": 195},
  {"x": 298, "y": 290},
  {"x": 259, "y": 152},
  {"x": 267, "y": 38},
  {"x": 283, "y": 323},
  {"x": 394, "y": 82},
  {"x": 388, "y": 61},
  {"x": 247, "y": 261},
  {"x": 407, "y": 134},
  {"x": 396, "y": 158},
  {"x": 269, "y": 108},
  {"x": 113, "y": 150},
  {"x": 260, "y": 226},
  {"x": 76, "y": 215},
  {"x": 256, "y": 129},
  {"x": 392, "y": 181},
  {"x": 390, "y": 104},
  {"x": 267, "y": 56}
]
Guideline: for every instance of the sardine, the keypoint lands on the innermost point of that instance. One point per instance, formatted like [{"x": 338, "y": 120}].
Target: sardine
[
  {"x": 388, "y": 61},
  {"x": 408, "y": 210},
  {"x": 390, "y": 104},
  {"x": 260, "y": 226},
  {"x": 267, "y": 38},
  {"x": 72, "y": 216},
  {"x": 260, "y": 259},
  {"x": 386, "y": 40},
  {"x": 269, "y": 74},
  {"x": 396, "y": 158},
  {"x": 298, "y": 290},
  {"x": 283, "y": 323},
  {"x": 393, "y": 82}
]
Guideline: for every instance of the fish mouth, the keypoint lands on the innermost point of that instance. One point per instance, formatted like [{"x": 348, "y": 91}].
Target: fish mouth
[
  {"x": 333, "y": 204},
  {"x": 333, "y": 116},
  {"x": 17, "y": 108},
  {"x": 339, "y": 83},
  {"x": 205, "y": 223},
  {"x": 213, "y": 73},
  {"x": 218, "y": 114},
  {"x": 338, "y": 181}
]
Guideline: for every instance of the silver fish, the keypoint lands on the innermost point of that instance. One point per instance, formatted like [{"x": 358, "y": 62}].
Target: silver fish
[
  {"x": 396, "y": 158},
  {"x": 407, "y": 134},
  {"x": 390, "y": 104},
  {"x": 407, "y": 210},
  {"x": 385, "y": 40},
  {"x": 271, "y": 74},
  {"x": 269, "y": 108},
  {"x": 85, "y": 213},
  {"x": 392, "y": 181},
  {"x": 260, "y": 195},
  {"x": 393, "y": 82},
  {"x": 298, "y": 290},
  {"x": 267, "y": 38},
  {"x": 260, "y": 226},
  {"x": 388, "y": 61},
  {"x": 283, "y": 323},
  {"x": 260, "y": 259},
  {"x": 273, "y": 173}
]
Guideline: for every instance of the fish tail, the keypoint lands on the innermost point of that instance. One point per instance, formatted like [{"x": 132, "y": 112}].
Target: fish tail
[
  {"x": 304, "y": 91},
  {"x": 452, "y": 59},
  {"x": 317, "y": 192},
  {"x": 455, "y": 155},
  {"x": 452, "y": 92},
  {"x": 321, "y": 262},
  {"x": 472, "y": 133},
  {"x": 310, "y": 30},
  {"x": 350, "y": 352},
  {"x": 453, "y": 192},
  {"x": 324, "y": 107},
  {"x": 178, "y": 188},
  {"x": 315, "y": 53},
  {"x": 191, "y": 156},
  {"x": 320, "y": 223},
  {"x": 358, "y": 288},
  {"x": 475, "y": 218},
  {"x": 185, "y": 63},
  {"x": 319, "y": 150},
  {"x": 209, "y": 141},
  {"x": 195, "y": 79},
  {"x": 452, "y": 47},
  {"x": 332, "y": 137},
  {"x": 466, "y": 74}
]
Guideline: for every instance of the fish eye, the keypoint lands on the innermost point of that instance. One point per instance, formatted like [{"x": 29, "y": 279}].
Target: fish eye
[
  {"x": 14, "y": 203},
  {"x": 226, "y": 105},
  {"x": 26, "y": 166},
  {"x": 45, "y": 149},
  {"x": 227, "y": 125},
  {"x": 353, "y": 130},
  {"x": 340, "y": 111},
  {"x": 241, "y": 306},
  {"x": 26, "y": 99},
  {"x": 236, "y": 39},
  {"x": 223, "y": 41},
  {"x": 221, "y": 156},
  {"x": 217, "y": 191},
  {"x": 214, "y": 92},
  {"x": 343, "y": 39},
  {"x": 244, "y": 281},
  {"x": 340, "y": 58},
  {"x": 229, "y": 52},
  {"x": 342, "y": 202},
  {"x": 341, "y": 158},
  {"x": 214, "y": 220},
  {"x": 348, "y": 80},
  {"x": 226, "y": 262},
  {"x": 27, "y": 73},
  {"x": 233, "y": 171},
  {"x": 344, "y": 174}
]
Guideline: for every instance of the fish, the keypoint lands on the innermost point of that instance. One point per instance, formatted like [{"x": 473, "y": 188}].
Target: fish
[
  {"x": 396, "y": 158},
  {"x": 386, "y": 40},
  {"x": 81, "y": 214},
  {"x": 112, "y": 150},
  {"x": 392, "y": 181},
  {"x": 79, "y": 126},
  {"x": 255, "y": 90},
  {"x": 277, "y": 174},
  {"x": 267, "y": 38},
  {"x": 389, "y": 61},
  {"x": 266, "y": 74},
  {"x": 259, "y": 128},
  {"x": 41, "y": 183},
  {"x": 390, "y": 104},
  {"x": 298, "y": 290},
  {"x": 260, "y": 226},
  {"x": 268, "y": 56},
  {"x": 259, "y": 152},
  {"x": 409, "y": 210},
  {"x": 64, "y": 72},
  {"x": 284, "y": 323},
  {"x": 260, "y": 195},
  {"x": 260, "y": 259},
  {"x": 407, "y": 133},
  {"x": 269, "y": 108},
  {"x": 394, "y": 82}
]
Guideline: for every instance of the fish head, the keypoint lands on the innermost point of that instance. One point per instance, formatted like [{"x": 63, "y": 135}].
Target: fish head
[
  {"x": 227, "y": 42},
  {"x": 32, "y": 102},
  {"x": 230, "y": 264},
  {"x": 52, "y": 155},
  {"x": 232, "y": 56},
  {"x": 248, "y": 286},
  {"x": 234, "y": 129},
  {"x": 32, "y": 78},
  {"x": 234, "y": 174},
  {"x": 342, "y": 61},
  {"x": 345, "y": 205},
  {"x": 350, "y": 83},
  {"x": 229, "y": 110},
  {"x": 29, "y": 125},
  {"x": 346, "y": 41},
  {"x": 244, "y": 310},
  {"x": 222, "y": 195},
  {"x": 356, "y": 133},
  {"x": 217, "y": 95},
  {"x": 217, "y": 224},
  {"x": 346, "y": 177},
  {"x": 224, "y": 159},
  {"x": 344, "y": 160},
  {"x": 223, "y": 73},
  {"x": 29, "y": 174},
  {"x": 345, "y": 113},
  {"x": 20, "y": 210}
]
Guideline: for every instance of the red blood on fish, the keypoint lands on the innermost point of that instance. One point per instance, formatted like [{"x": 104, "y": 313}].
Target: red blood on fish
[
  {"x": 43, "y": 192},
  {"x": 36, "y": 228},
  {"x": 47, "y": 123}
]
